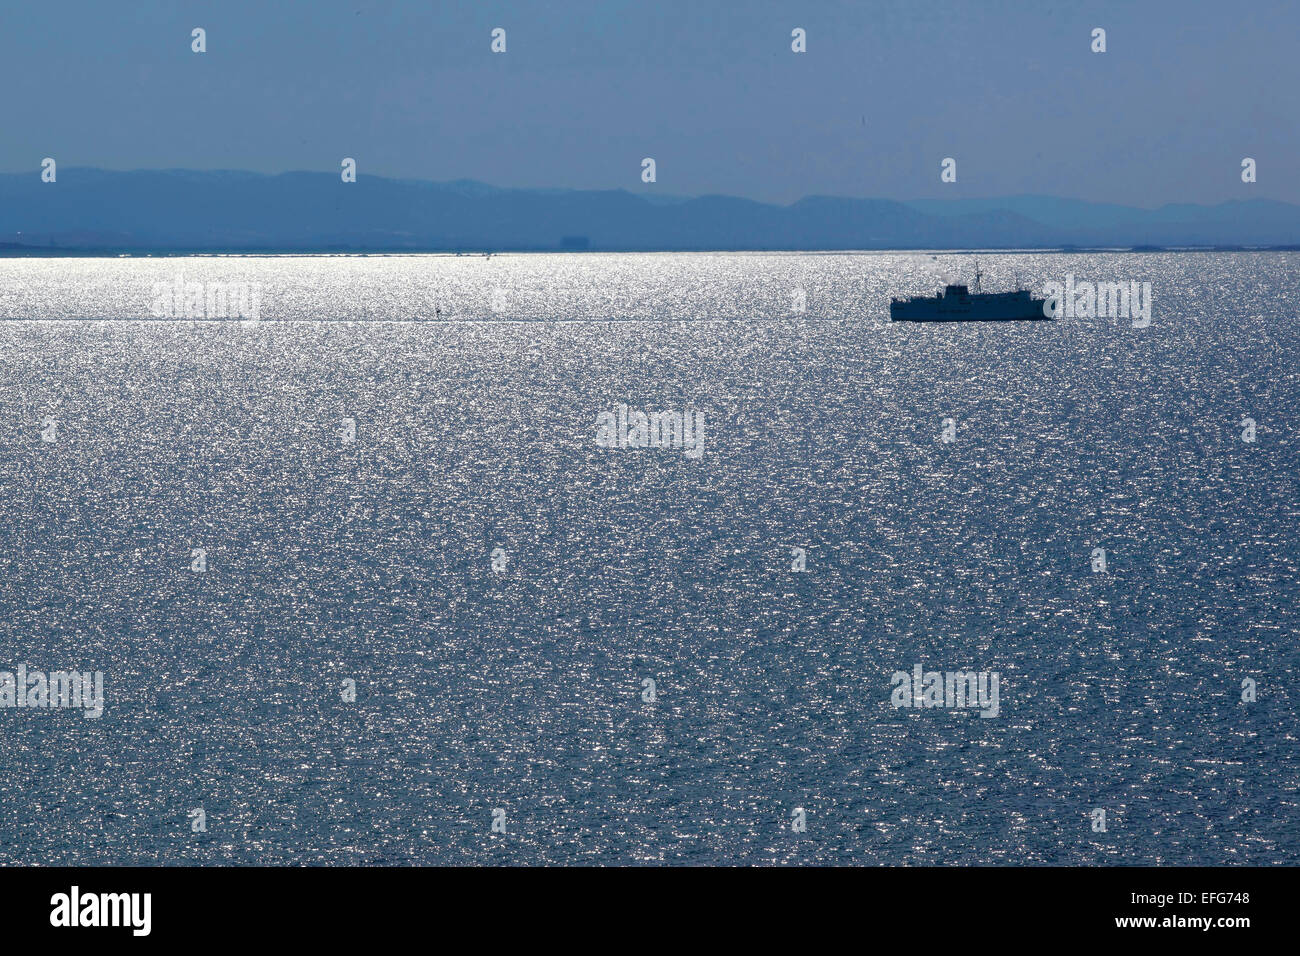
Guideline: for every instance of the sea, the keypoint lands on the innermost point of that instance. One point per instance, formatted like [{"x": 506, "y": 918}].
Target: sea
[{"x": 379, "y": 566}]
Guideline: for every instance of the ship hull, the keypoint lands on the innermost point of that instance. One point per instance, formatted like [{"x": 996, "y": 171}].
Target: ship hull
[
  {"x": 969, "y": 318},
  {"x": 990, "y": 308}
]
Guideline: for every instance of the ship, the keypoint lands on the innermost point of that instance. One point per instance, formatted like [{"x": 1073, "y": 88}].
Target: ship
[{"x": 956, "y": 303}]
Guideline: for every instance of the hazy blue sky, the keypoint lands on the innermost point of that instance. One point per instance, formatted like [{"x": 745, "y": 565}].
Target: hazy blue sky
[{"x": 711, "y": 90}]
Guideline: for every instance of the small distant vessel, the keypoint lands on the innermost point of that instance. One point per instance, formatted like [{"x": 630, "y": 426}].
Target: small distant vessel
[{"x": 958, "y": 304}]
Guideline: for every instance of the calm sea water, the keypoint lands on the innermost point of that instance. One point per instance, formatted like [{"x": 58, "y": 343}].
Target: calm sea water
[{"x": 475, "y": 385}]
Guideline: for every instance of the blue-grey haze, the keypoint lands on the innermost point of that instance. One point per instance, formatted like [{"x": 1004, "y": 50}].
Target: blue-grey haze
[{"x": 710, "y": 89}]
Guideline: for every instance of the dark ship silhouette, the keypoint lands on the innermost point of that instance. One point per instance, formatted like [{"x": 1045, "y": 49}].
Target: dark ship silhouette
[{"x": 957, "y": 304}]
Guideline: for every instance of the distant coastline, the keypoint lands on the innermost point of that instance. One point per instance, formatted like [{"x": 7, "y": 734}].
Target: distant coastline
[{"x": 177, "y": 212}]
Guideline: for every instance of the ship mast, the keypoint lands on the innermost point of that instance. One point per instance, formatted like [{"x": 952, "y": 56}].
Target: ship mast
[{"x": 977, "y": 276}]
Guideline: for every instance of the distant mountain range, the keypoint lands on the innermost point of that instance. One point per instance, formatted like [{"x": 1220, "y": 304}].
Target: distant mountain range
[{"x": 180, "y": 210}]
